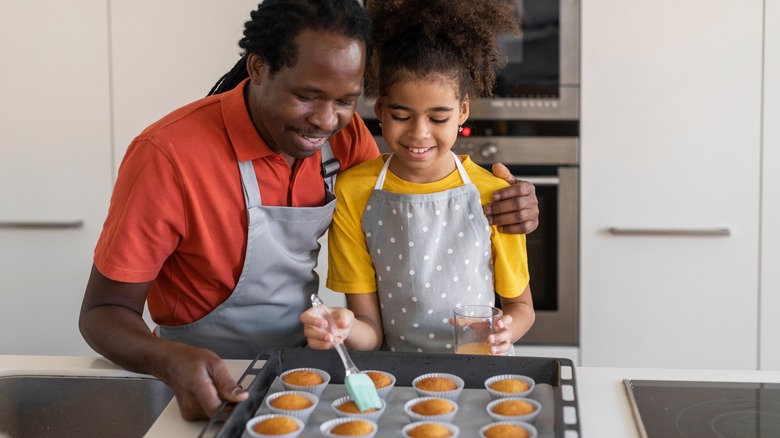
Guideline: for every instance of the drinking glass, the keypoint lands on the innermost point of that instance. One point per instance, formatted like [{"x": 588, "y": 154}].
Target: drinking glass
[{"x": 472, "y": 325}]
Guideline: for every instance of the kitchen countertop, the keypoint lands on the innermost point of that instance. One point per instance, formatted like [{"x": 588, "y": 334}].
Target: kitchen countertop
[{"x": 604, "y": 407}]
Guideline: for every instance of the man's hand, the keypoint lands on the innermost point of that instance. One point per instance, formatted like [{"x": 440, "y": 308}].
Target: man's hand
[
  {"x": 111, "y": 322},
  {"x": 514, "y": 209},
  {"x": 201, "y": 381}
]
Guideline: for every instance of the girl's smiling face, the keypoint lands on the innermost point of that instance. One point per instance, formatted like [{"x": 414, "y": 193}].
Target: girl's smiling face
[{"x": 420, "y": 119}]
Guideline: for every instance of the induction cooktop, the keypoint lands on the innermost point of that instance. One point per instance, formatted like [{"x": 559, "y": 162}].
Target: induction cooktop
[{"x": 670, "y": 409}]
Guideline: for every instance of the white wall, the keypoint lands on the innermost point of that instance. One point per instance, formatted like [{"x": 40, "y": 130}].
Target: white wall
[{"x": 165, "y": 54}]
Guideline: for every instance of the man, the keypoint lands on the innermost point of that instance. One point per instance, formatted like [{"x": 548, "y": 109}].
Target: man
[{"x": 217, "y": 208}]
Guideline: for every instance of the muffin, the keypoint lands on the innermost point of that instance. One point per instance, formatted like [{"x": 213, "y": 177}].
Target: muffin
[
  {"x": 291, "y": 402},
  {"x": 311, "y": 380},
  {"x": 379, "y": 378},
  {"x": 339, "y": 427},
  {"x": 513, "y": 386},
  {"x": 509, "y": 385},
  {"x": 346, "y": 407},
  {"x": 434, "y": 406},
  {"x": 298, "y": 404},
  {"x": 441, "y": 385},
  {"x": 514, "y": 409},
  {"x": 508, "y": 429},
  {"x": 431, "y": 409},
  {"x": 353, "y": 428},
  {"x": 303, "y": 378},
  {"x": 350, "y": 407},
  {"x": 383, "y": 381},
  {"x": 428, "y": 430},
  {"x": 436, "y": 384},
  {"x": 276, "y": 426},
  {"x": 273, "y": 425}
]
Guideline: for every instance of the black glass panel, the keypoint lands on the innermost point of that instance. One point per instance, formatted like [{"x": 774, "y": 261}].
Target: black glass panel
[
  {"x": 708, "y": 409},
  {"x": 533, "y": 59},
  {"x": 542, "y": 244}
]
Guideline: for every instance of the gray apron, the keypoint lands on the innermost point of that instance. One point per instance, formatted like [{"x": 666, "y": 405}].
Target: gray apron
[
  {"x": 276, "y": 280},
  {"x": 431, "y": 253}
]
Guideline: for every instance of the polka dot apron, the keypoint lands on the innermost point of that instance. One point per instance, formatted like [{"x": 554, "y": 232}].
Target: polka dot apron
[{"x": 431, "y": 253}]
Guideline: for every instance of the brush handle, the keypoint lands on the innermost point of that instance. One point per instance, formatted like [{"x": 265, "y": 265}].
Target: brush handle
[{"x": 338, "y": 341}]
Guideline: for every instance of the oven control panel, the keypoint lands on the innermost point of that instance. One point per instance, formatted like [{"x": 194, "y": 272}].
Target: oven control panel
[{"x": 482, "y": 152}]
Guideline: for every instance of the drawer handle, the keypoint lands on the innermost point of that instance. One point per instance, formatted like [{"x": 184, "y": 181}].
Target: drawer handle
[
  {"x": 713, "y": 232},
  {"x": 32, "y": 225}
]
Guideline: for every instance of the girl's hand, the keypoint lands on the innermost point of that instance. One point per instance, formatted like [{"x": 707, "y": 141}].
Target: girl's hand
[
  {"x": 316, "y": 329},
  {"x": 501, "y": 341}
]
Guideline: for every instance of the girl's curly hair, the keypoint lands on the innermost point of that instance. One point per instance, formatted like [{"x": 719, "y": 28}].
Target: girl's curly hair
[{"x": 456, "y": 38}]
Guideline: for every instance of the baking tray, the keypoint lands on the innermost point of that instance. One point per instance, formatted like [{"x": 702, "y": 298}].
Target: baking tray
[{"x": 230, "y": 421}]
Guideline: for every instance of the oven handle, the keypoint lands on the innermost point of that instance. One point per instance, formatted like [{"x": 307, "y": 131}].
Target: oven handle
[{"x": 549, "y": 181}]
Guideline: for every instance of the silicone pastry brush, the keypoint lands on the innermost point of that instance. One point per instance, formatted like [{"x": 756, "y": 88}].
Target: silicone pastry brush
[{"x": 360, "y": 387}]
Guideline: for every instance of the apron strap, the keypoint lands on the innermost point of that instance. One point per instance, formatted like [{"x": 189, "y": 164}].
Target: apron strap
[
  {"x": 330, "y": 166},
  {"x": 380, "y": 180},
  {"x": 462, "y": 170},
  {"x": 249, "y": 184}
]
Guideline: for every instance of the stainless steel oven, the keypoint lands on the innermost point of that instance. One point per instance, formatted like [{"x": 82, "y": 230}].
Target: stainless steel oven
[
  {"x": 531, "y": 124},
  {"x": 551, "y": 163}
]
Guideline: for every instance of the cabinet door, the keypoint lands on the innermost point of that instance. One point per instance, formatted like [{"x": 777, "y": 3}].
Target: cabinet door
[
  {"x": 55, "y": 168},
  {"x": 671, "y": 125},
  {"x": 770, "y": 222}
]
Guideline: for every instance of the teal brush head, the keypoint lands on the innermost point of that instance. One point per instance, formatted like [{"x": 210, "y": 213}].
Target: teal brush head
[
  {"x": 362, "y": 390},
  {"x": 360, "y": 387}
]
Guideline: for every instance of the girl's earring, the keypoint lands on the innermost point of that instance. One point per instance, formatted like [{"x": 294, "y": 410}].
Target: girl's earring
[
  {"x": 460, "y": 127},
  {"x": 380, "y": 124}
]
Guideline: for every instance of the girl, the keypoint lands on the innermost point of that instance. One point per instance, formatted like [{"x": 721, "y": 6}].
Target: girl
[{"x": 409, "y": 241}]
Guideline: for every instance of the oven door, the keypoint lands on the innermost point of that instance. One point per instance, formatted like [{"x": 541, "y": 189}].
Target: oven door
[{"x": 553, "y": 255}]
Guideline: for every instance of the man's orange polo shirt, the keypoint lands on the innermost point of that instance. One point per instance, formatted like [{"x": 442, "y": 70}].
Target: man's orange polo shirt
[{"x": 177, "y": 215}]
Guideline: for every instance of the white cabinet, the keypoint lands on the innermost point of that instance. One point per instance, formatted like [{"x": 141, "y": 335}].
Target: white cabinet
[
  {"x": 671, "y": 137},
  {"x": 770, "y": 194},
  {"x": 81, "y": 79},
  {"x": 55, "y": 168}
]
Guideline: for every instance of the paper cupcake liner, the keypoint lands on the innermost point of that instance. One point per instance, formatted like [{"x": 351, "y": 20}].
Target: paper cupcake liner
[
  {"x": 302, "y": 414},
  {"x": 450, "y": 395},
  {"x": 499, "y": 394},
  {"x": 527, "y": 418},
  {"x": 314, "y": 389},
  {"x": 447, "y": 418}
]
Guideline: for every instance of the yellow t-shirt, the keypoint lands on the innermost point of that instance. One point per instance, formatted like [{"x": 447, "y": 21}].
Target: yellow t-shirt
[{"x": 350, "y": 269}]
